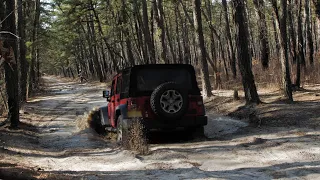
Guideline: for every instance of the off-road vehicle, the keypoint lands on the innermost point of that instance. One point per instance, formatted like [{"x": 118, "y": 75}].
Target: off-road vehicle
[{"x": 161, "y": 97}]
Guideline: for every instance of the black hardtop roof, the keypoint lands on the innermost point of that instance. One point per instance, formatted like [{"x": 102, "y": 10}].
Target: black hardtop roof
[
  {"x": 153, "y": 66},
  {"x": 133, "y": 71}
]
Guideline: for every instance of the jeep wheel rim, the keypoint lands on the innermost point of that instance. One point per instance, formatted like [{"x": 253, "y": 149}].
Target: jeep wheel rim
[{"x": 171, "y": 101}]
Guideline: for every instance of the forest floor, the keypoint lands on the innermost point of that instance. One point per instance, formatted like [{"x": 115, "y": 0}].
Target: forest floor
[{"x": 274, "y": 140}]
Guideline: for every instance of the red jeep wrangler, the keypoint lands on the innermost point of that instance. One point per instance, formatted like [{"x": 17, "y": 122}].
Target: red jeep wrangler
[{"x": 161, "y": 96}]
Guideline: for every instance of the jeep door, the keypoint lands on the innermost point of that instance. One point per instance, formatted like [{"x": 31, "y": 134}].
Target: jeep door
[
  {"x": 118, "y": 92},
  {"x": 111, "y": 104},
  {"x": 115, "y": 99}
]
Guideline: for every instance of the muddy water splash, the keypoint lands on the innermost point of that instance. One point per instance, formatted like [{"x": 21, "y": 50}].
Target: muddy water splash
[{"x": 82, "y": 122}]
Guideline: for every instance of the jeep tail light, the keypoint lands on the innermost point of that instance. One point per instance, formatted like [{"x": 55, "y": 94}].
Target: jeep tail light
[{"x": 201, "y": 105}]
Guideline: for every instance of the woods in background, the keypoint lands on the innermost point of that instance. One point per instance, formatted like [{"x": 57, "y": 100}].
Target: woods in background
[{"x": 248, "y": 43}]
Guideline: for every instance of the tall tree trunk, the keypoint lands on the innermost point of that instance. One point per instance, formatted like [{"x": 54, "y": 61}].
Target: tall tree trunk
[
  {"x": 141, "y": 41},
  {"x": 213, "y": 64},
  {"x": 228, "y": 31},
  {"x": 292, "y": 30},
  {"x": 301, "y": 60},
  {"x": 170, "y": 42},
  {"x": 91, "y": 46},
  {"x": 315, "y": 34},
  {"x": 126, "y": 33},
  {"x": 32, "y": 72},
  {"x": 188, "y": 57},
  {"x": 263, "y": 33},
  {"x": 104, "y": 60},
  {"x": 285, "y": 62},
  {"x": 22, "y": 46},
  {"x": 284, "y": 55},
  {"x": 10, "y": 64},
  {"x": 276, "y": 36},
  {"x": 158, "y": 13},
  {"x": 82, "y": 57},
  {"x": 251, "y": 35},
  {"x": 92, "y": 32},
  {"x": 244, "y": 54},
  {"x": 38, "y": 66},
  {"x": 105, "y": 39},
  {"x": 206, "y": 86},
  {"x": 90, "y": 63},
  {"x": 309, "y": 30},
  {"x": 177, "y": 11},
  {"x": 222, "y": 53},
  {"x": 301, "y": 47},
  {"x": 146, "y": 31},
  {"x": 186, "y": 42}
]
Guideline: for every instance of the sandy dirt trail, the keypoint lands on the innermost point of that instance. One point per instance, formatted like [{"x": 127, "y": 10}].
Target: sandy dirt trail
[{"x": 57, "y": 141}]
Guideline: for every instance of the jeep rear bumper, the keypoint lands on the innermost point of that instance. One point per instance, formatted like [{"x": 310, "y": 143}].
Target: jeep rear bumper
[{"x": 172, "y": 124}]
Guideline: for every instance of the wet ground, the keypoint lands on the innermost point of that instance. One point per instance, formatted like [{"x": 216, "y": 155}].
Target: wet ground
[{"x": 55, "y": 142}]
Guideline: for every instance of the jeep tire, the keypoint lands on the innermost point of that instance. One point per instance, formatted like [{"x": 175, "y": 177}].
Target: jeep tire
[
  {"x": 96, "y": 122},
  {"x": 169, "y": 101}
]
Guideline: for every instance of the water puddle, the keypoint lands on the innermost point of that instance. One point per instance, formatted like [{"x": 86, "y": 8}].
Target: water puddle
[{"x": 222, "y": 125}]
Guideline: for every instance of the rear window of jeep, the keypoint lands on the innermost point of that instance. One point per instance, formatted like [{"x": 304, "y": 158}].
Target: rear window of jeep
[{"x": 149, "y": 79}]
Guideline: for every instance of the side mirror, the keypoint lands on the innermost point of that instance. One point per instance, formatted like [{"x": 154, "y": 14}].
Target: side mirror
[{"x": 106, "y": 94}]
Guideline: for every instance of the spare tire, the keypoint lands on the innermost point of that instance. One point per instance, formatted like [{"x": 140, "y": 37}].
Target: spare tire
[{"x": 169, "y": 101}]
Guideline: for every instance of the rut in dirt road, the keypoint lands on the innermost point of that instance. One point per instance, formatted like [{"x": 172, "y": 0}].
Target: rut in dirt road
[{"x": 61, "y": 114}]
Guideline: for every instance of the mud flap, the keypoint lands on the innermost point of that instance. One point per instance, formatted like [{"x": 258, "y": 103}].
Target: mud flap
[{"x": 104, "y": 116}]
